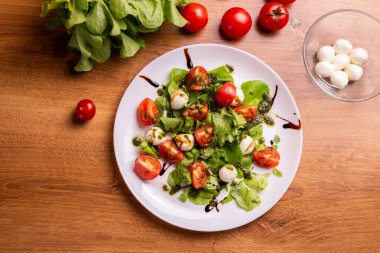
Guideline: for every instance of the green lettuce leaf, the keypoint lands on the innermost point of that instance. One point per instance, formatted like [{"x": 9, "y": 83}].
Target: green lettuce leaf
[
  {"x": 257, "y": 181},
  {"x": 172, "y": 125},
  {"x": 256, "y": 132},
  {"x": 121, "y": 8},
  {"x": 172, "y": 14},
  {"x": 245, "y": 197},
  {"x": 232, "y": 153},
  {"x": 254, "y": 91},
  {"x": 150, "y": 13},
  {"x": 222, "y": 74},
  {"x": 176, "y": 76},
  {"x": 199, "y": 196}
]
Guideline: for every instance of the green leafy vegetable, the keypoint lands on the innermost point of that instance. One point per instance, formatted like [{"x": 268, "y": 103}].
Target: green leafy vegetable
[
  {"x": 98, "y": 26},
  {"x": 223, "y": 74},
  {"x": 254, "y": 91},
  {"x": 175, "y": 77},
  {"x": 277, "y": 172},
  {"x": 199, "y": 196},
  {"x": 183, "y": 197},
  {"x": 256, "y": 132},
  {"x": 276, "y": 139},
  {"x": 245, "y": 197},
  {"x": 232, "y": 153},
  {"x": 179, "y": 177},
  {"x": 257, "y": 181},
  {"x": 172, "y": 125}
]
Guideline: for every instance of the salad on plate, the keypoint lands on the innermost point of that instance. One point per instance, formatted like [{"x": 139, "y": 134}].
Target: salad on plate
[{"x": 209, "y": 134}]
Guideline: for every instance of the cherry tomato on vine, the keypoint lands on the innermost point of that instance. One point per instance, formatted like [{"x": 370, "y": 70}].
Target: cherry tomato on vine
[
  {"x": 85, "y": 110},
  {"x": 225, "y": 94},
  {"x": 196, "y": 16},
  {"x": 236, "y": 22},
  {"x": 274, "y": 16}
]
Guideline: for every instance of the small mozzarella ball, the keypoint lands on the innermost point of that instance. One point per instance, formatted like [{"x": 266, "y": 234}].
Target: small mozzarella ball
[
  {"x": 184, "y": 142},
  {"x": 178, "y": 100},
  {"x": 156, "y": 136},
  {"x": 239, "y": 98},
  {"x": 341, "y": 61},
  {"x": 247, "y": 145},
  {"x": 359, "y": 56},
  {"x": 326, "y": 53},
  {"x": 342, "y": 46},
  {"x": 339, "y": 79},
  {"x": 324, "y": 69},
  {"x": 354, "y": 72},
  {"x": 228, "y": 173}
]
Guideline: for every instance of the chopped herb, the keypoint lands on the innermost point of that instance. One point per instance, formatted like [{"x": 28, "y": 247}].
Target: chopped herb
[
  {"x": 182, "y": 198},
  {"x": 277, "y": 139}
]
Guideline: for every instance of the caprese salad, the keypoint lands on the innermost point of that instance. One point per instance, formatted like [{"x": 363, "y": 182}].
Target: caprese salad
[{"x": 209, "y": 132}]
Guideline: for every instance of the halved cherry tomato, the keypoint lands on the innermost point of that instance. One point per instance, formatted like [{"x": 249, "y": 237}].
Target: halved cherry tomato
[
  {"x": 197, "y": 79},
  {"x": 147, "y": 112},
  {"x": 198, "y": 172},
  {"x": 267, "y": 158},
  {"x": 197, "y": 112},
  {"x": 249, "y": 112},
  {"x": 169, "y": 152},
  {"x": 274, "y": 16},
  {"x": 147, "y": 167},
  {"x": 204, "y": 135},
  {"x": 225, "y": 94}
]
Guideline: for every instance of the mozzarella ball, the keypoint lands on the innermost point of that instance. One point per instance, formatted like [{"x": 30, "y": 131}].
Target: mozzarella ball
[
  {"x": 178, "y": 100},
  {"x": 156, "y": 136},
  {"x": 184, "y": 142},
  {"x": 247, "y": 145},
  {"x": 227, "y": 173},
  {"x": 324, "y": 69},
  {"x": 239, "y": 98},
  {"x": 339, "y": 79},
  {"x": 354, "y": 72},
  {"x": 341, "y": 61},
  {"x": 326, "y": 54},
  {"x": 359, "y": 56},
  {"x": 342, "y": 46}
]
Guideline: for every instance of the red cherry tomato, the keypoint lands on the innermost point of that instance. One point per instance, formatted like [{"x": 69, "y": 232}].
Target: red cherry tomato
[
  {"x": 267, "y": 158},
  {"x": 225, "y": 94},
  {"x": 204, "y": 135},
  {"x": 196, "y": 16},
  {"x": 85, "y": 110},
  {"x": 197, "y": 79},
  {"x": 147, "y": 112},
  {"x": 198, "y": 173},
  {"x": 236, "y": 22},
  {"x": 197, "y": 112},
  {"x": 147, "y": 167},
  {"x": 169, "y": 152},
  {"x": 274, "y": 16},
  {"x": 286, "y": 1},
  {"x": 249, "y": 112}
]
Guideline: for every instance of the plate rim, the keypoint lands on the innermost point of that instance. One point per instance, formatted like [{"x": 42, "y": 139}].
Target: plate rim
[{"x": 136, "y": 196}]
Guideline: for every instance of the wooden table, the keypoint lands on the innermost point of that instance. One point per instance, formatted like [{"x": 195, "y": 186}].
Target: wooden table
[{"x": 60, "y": 189}]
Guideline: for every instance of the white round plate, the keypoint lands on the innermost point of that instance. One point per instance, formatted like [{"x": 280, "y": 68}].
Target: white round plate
[{"x": 150, "y": 193}]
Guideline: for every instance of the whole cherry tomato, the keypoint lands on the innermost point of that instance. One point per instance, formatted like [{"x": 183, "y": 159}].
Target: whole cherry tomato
[
  {"x": 85, "y": 110},
  {"x": 196, "y": 16},
  {"x": 286, "y": 1},
  {"x": 274, "y": 16},
  {"x": 225, "y": 94},
  {"x": 236, "y": 22}
]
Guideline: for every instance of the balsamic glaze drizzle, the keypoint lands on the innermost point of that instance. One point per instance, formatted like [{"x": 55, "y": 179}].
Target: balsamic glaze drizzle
[
  {"x": 153, "y": 83},
  {"x": 188, "y": 58},
  {"x": 290, "y": 124},
  {"x": 210, "y": 207},
  {"x": 163, "y": 170},
  {"x": 275, "y": 94}
]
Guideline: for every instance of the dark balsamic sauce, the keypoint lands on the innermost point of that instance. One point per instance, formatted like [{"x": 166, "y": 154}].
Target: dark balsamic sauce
[
  {"x": 213, "y": 205},
  {"x": 153, "y": 83},
  {"x": 291, "y": 125},
  {"x": 163, "y": 170},
  {"x": 271, "y": 142},
  {"x": 275, "y": 94},
  {"x": 188, "y": 58}
]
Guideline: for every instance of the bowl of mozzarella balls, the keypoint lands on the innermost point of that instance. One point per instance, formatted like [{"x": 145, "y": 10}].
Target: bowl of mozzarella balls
[{"x": 342, "y": 55}]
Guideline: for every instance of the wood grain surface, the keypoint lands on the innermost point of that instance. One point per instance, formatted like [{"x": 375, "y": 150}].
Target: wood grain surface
[{"x": 60, "y": 189}]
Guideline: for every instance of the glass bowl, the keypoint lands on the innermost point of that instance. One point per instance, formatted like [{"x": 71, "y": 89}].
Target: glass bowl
[{"x": 362, "y": 30}]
